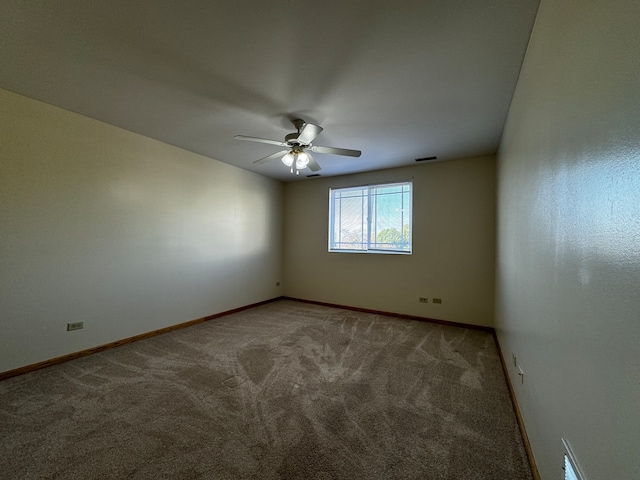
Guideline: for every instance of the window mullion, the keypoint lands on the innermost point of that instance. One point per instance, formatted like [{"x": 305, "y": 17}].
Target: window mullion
[
  {"x": 332, "y": 221},
  {"x": 369, "y": 217}
]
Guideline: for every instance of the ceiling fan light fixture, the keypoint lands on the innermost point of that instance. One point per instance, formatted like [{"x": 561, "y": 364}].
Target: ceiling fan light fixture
[
  {"x": 288, "y": 159},
  {"x": 302, "y": 160}
]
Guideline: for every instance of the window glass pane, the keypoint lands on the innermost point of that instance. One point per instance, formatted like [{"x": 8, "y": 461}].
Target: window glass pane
[
  {"x": 376, "y": 218},
  {"x": 391, "y": 217},
  {"x": 569, "y": 472},
  {"x": 349, "y": 219}
]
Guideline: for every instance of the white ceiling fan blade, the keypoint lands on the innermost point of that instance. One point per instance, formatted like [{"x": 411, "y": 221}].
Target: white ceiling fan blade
[
  {"x": 336, "y": 151},
  {"x": 313, "y": 165},
  {"x": 273, "y": 156},
  {"x": 260, "y": 140},
  {"x": 308, "y": 133}
]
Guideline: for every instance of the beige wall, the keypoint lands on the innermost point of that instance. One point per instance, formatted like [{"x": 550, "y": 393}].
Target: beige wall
[
  {"x": 120, "y": 231},
  {"x": 568, "y": 271},
  {"x": 453, "y": 245}
]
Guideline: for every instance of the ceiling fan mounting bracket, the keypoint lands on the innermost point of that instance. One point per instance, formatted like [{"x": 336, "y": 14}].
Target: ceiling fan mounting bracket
[{"x": 298, "y": 123}]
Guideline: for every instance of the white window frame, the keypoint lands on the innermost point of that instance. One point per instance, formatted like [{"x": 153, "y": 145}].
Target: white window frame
[
  {"x": 570, "y": 465},
  {"x": 367, "y": 243}
]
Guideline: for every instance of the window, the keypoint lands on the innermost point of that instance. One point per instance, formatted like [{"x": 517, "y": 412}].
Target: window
[
  {"x": 571, "y": 469},
  {"x": 371, "y": 218}
]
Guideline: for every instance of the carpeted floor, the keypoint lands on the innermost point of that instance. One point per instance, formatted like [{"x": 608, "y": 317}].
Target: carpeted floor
[{"x": 285, "y": 390}]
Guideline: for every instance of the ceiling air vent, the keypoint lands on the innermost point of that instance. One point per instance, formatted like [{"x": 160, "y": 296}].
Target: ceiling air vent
[
  {"x": 313, "y": 175},
  {"x": 426, "y": 159}
]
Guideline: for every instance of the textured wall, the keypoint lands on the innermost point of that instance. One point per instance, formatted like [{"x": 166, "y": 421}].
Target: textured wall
[
  {"x": 568, "y": 271},
  {"x": 120, "y": 231},
  {"x": 453, "y": 245}
]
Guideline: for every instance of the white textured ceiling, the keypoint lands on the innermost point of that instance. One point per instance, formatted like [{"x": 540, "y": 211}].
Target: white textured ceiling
[{"x": 398, "y": 80}]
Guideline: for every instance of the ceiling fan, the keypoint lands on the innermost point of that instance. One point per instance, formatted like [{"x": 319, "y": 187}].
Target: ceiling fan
[{"x": 298, "y": 145}]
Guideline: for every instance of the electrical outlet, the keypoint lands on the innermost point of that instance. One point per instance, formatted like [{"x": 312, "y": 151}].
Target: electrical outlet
[
  {"x": 75, "y": 326},
  {"x": 423, "y": 300},
  {"x": 437, "y": 300},
  {"x": 521, "y": 373}
]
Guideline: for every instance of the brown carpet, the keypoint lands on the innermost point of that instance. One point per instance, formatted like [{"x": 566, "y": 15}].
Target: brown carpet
[{"x": 285, "y": 390}]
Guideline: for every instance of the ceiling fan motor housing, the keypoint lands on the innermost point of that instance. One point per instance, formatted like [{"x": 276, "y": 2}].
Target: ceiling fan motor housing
[{"x": 292, "y": 139}]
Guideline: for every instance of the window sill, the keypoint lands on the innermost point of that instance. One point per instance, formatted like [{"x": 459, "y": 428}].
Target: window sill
[{"x": 374, "y": 252}]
